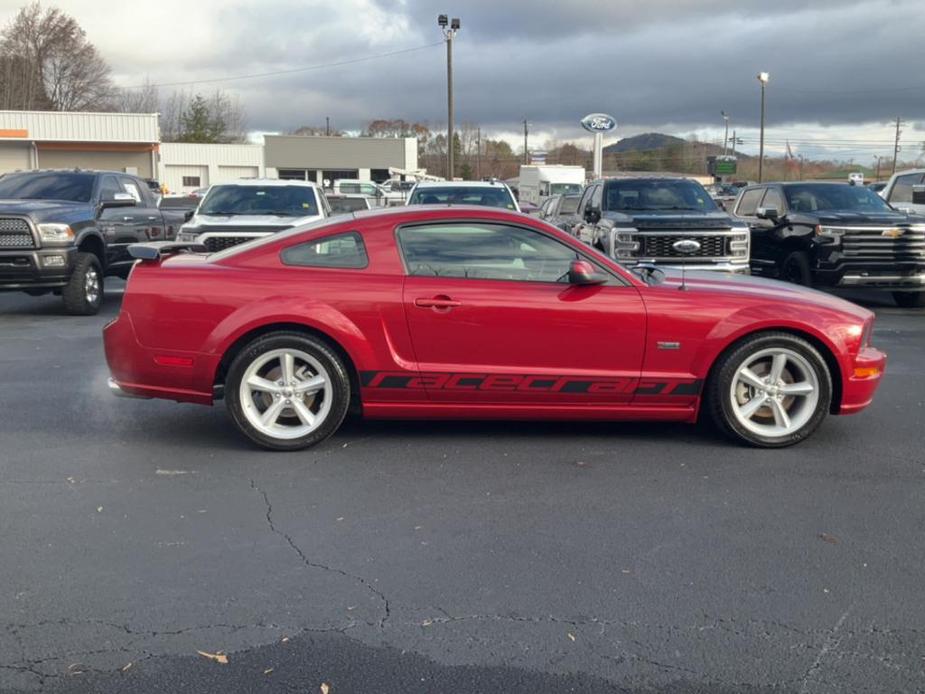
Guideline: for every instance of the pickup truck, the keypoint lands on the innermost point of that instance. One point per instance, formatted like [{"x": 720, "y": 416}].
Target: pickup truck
[
  {"x": 906, "y": 191},
  {"x": 662, "y": 221},
  {"x": 62, "y": 231},
  {"x": 835, "y": 235},
  {"x": 249, "y": 208}
]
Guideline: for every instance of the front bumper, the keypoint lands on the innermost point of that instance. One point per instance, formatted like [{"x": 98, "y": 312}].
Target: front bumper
[
  {"x": 724, "y": 266},
  {"x": 30, "y": 268},
  {"x": 860, "y": 384},
  {"x": 911, "y": 281}
]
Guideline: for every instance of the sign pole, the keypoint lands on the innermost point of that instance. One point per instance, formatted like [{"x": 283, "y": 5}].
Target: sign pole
[
  {"x": 598, "y": 154},
  {"x": 598, "y": 124}
]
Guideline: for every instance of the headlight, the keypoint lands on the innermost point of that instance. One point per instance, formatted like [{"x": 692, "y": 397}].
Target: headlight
[
  {"x": 55, "y": 234},
  {"x": 188, "y": 234},
  {"x": 833, "y": 233},
  {"x": 739, "y": 243}
]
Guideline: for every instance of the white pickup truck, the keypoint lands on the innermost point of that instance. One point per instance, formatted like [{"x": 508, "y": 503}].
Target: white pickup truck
[
  {"x": 906, "y": 191},
  {"x": 232, "y": 213}
]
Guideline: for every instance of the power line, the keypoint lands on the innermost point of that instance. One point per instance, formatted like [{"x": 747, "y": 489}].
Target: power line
[{"x": 276, "y": 73}]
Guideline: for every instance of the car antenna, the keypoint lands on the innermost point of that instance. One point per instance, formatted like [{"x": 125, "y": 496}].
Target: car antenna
[{"x": 683, "y": 286}]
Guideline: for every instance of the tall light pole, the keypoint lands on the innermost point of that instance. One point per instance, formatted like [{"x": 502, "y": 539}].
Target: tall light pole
[
  {"x": 763, "y": 78},
  {"x": 726, "y": 133},
  {"x": 449, "y": 29},
  {"x": 526, "y": 151}
]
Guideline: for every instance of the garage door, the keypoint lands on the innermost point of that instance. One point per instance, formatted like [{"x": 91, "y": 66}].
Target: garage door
[
  {"x": 14, "y": 156},
  {"x": 185, "y": 178},
  {"x": 231, "y": 173}
]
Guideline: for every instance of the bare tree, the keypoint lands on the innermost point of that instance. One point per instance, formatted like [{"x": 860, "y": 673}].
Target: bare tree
[
  {"x": 142, "y": 99},
  {"x": 50, "y": 64}
]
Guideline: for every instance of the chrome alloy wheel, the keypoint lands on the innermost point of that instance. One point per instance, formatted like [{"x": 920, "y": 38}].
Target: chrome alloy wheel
[
  {"x": 286, "y": 393},
  {"x": 92, "y": 286},
  {"x": 774, "y": 392}
]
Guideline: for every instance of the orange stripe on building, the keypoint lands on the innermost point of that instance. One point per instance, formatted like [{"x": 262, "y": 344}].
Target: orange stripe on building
[
  {"x": 13, "y": 132},
  {"x": 96, "y": 147}
]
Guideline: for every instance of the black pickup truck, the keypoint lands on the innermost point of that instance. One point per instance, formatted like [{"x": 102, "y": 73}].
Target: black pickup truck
[
  {"x": 61, "y": 231},
  {"x": 835, "y": 235},
  {"x": 661, "y": 220}
]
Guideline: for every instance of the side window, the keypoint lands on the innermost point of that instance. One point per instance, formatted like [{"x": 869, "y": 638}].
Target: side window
[
  {"x": 340, "y": 251},
  {"x": 748, "y": 204},
  {"x": 596, "y": 196},
  {"x": 129, "y": 186},
  {"x": 902, "y": 188},
  {"x": 109, "y": 187},
  {"x": 774, "y": 199},
  {"x": 484, "y": 251},
  {"x": 583, "y": 201},
  {"x": 325, "y": 203}
]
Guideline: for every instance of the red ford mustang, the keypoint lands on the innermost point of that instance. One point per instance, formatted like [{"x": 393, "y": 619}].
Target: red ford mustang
[{"x": 459, "y": 312}]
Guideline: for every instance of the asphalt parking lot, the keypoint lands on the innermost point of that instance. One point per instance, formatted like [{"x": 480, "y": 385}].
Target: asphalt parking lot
[{"x": 445, "y": 557}]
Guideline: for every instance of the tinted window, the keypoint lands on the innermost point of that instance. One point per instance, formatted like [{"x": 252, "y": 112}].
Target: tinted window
[
  {"x": 109, "y": 187},
  {"x": 282, "y": 201},
  {"x": 348, "y": 204},
  {"x": 812, "y": 197},
  {"x": 902, "y": 187},
  {"x": 596, "y": 196},
  {"x": 73, "y": 187},
  {"x": 129, "y": 186},
  {"x": 642, "y": 194},
  {"x": 487, "y": 196},
  {"x": 773, "y": 199},
  {"x": 343, "y": 251},
  {"x": 585, "y": 197},
  {"x": 484, "y": 251},
  {"x": 748, "y": 204}
]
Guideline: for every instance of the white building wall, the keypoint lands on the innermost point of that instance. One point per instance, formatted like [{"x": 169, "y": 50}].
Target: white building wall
[
  {"x": 215, "y": 163},
  {"x": 67, "y": 126}
]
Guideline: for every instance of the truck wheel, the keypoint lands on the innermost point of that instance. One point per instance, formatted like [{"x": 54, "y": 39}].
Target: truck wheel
[
  {"x": 909, "y": 299},
  {"x": 287, "y": 391},
  {"x": 795, "y": 268},
  {"x": 771, "y": 390},
  {"x": 83, "y": 293}
]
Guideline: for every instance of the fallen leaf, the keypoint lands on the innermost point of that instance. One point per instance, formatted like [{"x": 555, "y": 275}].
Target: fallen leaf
[
  {"x": 831, "y": 539},
  {"x": 124, "y": 669},
  {"x": 571, "y": 636},
  {"x": 99, "y": 509},
  {"x": 285, "y": 639},
  {"x": 268, "y": 671},
  {"x": 217, "y": 657},
  {"x": 427, "y": 623},
  {"x": 325, "y": 688}
]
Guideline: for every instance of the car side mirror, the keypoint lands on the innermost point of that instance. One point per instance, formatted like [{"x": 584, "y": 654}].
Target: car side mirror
[
  {"x": 188, "y": 215},
  {"x": 769, "y": 213},
  {"x": 581, "y": 272},
  {"x": 592, "y": 215},
  {"x": 118, "y": 200}
]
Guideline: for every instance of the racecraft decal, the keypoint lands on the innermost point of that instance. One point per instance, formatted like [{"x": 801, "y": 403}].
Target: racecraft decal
[{"x": 511, "y": 383}]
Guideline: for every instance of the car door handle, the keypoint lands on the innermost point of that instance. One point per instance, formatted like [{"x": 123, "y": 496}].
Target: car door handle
[
  {"x": 152, "y": 218},
  {"x": 127, "y": 219},
  {"x": 437, "y": 302}
]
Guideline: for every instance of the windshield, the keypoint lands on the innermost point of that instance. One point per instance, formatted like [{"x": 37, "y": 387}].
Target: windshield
[
  {"x": 73, "y": 187},
  {"x": 494, "y": 196},
  {"x": 564, "y": 188},
  {"x": 281, "y": 201},
  {"x": 815, "y": 197},
  {"x": 569, "y": 204},
  {"x": 348, "y": 204},
  {"x": 661, "y": 194}
]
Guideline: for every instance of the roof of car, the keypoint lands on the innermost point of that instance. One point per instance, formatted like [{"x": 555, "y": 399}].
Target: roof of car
[
  {"x": 462, "y": 184},
  {"x": 266, "y": 182}
]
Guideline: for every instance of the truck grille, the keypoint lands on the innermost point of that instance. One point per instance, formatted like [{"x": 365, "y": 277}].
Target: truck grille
[
  {"x": 220, "y": 243},
  {"x": 662, "y": 246},
  {"x": 15, "y": 233},
  {"x": 870, "y": 243}
]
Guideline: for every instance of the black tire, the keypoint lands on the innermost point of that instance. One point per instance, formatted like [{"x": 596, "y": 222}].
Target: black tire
[
  {"x": 317, "y": 349},
  {"x": 719, "y": 396},
  {"x": 909, "y": 299},
  {"x": 795, "y": 269},
  {"x": 79, "y": 300}
]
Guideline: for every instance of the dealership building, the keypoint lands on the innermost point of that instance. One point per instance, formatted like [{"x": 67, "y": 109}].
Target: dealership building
[{"x": 130, "y": 142}]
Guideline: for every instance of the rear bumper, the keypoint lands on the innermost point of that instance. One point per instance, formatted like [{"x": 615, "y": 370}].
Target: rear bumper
[
  {"x": 861, "y": 383},
  {"x": 32, "y": 268}
]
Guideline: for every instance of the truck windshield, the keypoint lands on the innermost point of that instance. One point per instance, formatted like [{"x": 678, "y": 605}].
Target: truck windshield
[
  {"x": 564, "y": 188},
  {"x": 660, "y": 194},
  {"x": 494, "y": 196},
  {"x": 72, "y": 187},
  {"x": 280, "y": 201},
  {"x": 817, "y": 197}
]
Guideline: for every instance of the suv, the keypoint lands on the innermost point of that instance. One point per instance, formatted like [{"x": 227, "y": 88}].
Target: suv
[
  {"x": 665, "y": 221},
  {"x": 61, "y": 231},
  {"x": 232, "y": 213},
  {"x": 482, "y": 193},
  {"x": 835, "y": 235}
]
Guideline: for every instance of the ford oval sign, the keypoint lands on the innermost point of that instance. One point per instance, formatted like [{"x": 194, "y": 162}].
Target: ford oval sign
[
  {"x": 598, "y": 123},
  {"x": 686, "y": 246}
]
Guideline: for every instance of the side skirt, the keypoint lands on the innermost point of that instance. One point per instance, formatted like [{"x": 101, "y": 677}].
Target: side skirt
[{"x": 432, "y": 410}]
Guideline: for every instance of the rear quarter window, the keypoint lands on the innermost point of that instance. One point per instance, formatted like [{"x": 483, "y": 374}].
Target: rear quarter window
[{"x": 338, "y": 251}]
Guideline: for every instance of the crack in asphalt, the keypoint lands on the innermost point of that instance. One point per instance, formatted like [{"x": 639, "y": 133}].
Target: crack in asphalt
[
  {"x": 387, "y": 610},
  {"x": 831, "y": 643}
]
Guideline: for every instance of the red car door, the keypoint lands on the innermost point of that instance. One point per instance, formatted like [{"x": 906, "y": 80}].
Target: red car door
[{"x": 492, "y": 319}]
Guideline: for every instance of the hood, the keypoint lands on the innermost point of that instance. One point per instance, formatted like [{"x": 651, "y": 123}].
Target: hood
[
  {"x": 262, "y": 220},
  {"x": 759, "y": 288},
  {"x": 670, "y": 218},
  {"x": 49, "y": 210},
  {"x": 853, "y": 218}
]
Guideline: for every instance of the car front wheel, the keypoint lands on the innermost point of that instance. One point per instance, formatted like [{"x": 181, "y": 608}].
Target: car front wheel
[
  {"x": 287, "y": 391},
  {"x": 771, "y": 390},
  {"x": 83, "y": 294}
]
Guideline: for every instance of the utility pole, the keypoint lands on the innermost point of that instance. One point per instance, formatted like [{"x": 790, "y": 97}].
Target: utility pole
[
  {"x": 726, "y": 133},
  {"x": 763, "y": 78},
  {"x": 478, "y": 153},
  {"x": 896, "y": 142},
  {"x": 801, "y": 167},
  {"x": 449, "y": 34},
  {"x": 327, "y": 125},
  {"x": 526, "y": 151},
  {"x": 878, "y": 166}
]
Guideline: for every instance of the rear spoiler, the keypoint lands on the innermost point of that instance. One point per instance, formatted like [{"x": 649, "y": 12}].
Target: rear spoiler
[{"x": 157, "y": 250}]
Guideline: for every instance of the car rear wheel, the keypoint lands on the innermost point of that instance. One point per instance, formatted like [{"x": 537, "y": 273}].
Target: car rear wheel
[
  {"x": 83, "y": 294},
  {"x": 287, "y": 391},
  {"x": 795, "y": 268},
  {"x": 771, "y": 390},
  {"x": 909, "y": 299}
]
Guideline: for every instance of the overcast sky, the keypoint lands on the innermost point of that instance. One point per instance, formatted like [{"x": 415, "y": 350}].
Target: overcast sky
[{"x": 840, "y": 69}]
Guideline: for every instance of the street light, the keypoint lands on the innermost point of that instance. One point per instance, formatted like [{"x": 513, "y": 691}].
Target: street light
[
  {"x": 763, "y": 78},
  {"x": 726, "y": 133},
  {"x": 449, "y": 27}
]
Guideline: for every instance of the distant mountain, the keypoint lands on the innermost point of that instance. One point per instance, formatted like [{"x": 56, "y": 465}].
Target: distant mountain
[{"x": 645, "y": 142}]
